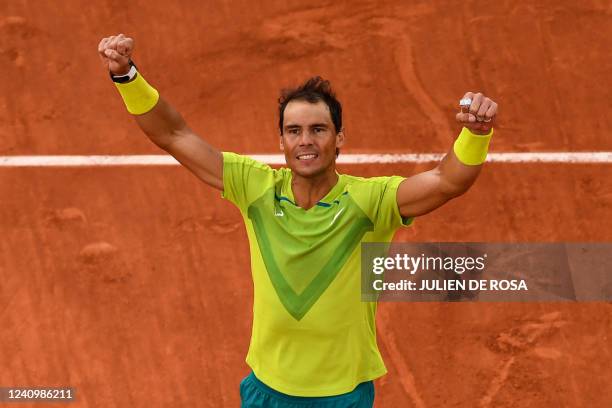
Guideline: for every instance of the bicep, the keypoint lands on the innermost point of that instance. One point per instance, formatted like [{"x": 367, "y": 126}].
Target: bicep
[
  {"x": 422, "y": 193},
  {"x": 199, "y": 157}
]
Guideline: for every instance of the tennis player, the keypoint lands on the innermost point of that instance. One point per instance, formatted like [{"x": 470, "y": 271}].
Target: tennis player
[{"x": 313, "y": 342}]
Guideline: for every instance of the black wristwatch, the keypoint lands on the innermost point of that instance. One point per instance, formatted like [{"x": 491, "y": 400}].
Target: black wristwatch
[{"x": 127, "y": 77}]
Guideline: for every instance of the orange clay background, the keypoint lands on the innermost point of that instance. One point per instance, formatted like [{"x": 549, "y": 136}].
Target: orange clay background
[{"x": 133, "y": 284}]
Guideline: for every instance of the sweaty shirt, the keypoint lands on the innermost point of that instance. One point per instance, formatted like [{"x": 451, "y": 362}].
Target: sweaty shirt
[{"x": 312, "y": 335}]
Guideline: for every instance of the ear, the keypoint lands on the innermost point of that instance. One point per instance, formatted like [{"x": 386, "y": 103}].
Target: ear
[
  {"x": 282, "y": 145},
  {"x": 340, "y": 138}
]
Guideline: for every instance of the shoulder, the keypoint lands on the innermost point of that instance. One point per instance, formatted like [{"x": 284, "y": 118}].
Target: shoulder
[
  {"x": 246, "y": 179},
  {"x": 372, "y": 183},
  {"x": 237, "y": 164},
  {"x": 230, "y": 158},
  {"x": 250, "y": 170},
  {"x": 372, "y": 192},
  {"x": 377, "y": 197}
]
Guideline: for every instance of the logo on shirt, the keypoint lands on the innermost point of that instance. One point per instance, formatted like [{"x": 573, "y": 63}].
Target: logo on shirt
[{"x": 336, "y": 216}]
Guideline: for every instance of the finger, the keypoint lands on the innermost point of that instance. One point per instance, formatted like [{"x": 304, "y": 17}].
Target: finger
[
  {"x": 101, "y": 51},
  {"x": 465, "y": 101},
  {"x": 106, "y": 45},
  {"x": 469, "y": 95},
  {"x": 484, "y": 106},
  {"x": 109, "y": 41},
  {"x": 124, "y": 47},
  {"x": 465, "y": 117},
  {"x": 102, "y": 44},
  {"x": 491, "y": 112},
  {"x": 114, "y": 55},
  {"x": 113, "y": 43},
  {"x": 120, "y": 37},
  {"x": 476, "y": 101}
]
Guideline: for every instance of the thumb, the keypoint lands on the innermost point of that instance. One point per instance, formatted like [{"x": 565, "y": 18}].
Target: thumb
[
  {"x": 465, "y": 117},
  {"x": 115, "y": 56},
  {"x": 118, "y": 64}
]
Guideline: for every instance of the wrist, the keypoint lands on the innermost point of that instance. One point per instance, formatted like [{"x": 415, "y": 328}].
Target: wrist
[
  {"x": 127, "y": 76},
  {"x": 481, "y": 132},
  {"x": 471, "y": 148}
]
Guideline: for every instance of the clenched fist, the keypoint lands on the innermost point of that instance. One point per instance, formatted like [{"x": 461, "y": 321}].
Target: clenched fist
[
  {"x": 479, "y": 114},
  {"x": 115, "y": 52}
]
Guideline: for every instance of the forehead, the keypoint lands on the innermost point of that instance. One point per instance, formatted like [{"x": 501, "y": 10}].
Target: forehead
[{"x": 304, "y": 113}]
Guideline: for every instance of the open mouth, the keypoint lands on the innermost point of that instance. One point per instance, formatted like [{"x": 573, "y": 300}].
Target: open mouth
[{"x": 307, "y": 156}]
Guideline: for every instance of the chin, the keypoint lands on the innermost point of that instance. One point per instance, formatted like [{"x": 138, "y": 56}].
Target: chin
[
  {"x": 296, "y": 168},
  {"x": 308, "y": 171}
]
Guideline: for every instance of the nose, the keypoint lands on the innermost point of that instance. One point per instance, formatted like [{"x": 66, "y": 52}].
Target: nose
[{"x": 305, "y": 138}]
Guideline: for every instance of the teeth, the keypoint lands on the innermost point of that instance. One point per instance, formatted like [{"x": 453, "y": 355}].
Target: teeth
[{"x": 306, "y": 156}]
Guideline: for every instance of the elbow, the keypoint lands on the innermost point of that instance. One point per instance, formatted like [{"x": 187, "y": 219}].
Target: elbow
[
  {"x": 164, "y": 140},
  {"x": 454, "y": 190},
  {"x": 455, "y": 185},
  {"x": 161, "y": 141}
]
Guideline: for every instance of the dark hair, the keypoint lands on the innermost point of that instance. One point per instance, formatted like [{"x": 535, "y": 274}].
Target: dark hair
[{"x": 313, "y": 90}]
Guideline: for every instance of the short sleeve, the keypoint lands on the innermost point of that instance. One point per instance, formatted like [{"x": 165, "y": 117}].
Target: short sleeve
[
  {"x": 377, "y": 197},
  {"x": 388, "y": 215},
  {"x": 244, "y": 179}
]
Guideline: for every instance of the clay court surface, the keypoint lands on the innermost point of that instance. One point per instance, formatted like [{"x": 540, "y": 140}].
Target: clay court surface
[{"x": 132, "y": 284}]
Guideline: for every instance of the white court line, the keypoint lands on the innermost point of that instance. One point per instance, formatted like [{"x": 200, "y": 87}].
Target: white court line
[{"x": 165, "y": 160}]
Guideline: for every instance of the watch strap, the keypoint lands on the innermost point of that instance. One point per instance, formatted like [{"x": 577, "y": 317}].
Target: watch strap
[{"x": 125, "y": 77}]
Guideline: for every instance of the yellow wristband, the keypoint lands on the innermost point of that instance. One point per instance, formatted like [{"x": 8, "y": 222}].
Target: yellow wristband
[
  {"x": 470, "y": 148},
  {"x": 139, "y": 97}
]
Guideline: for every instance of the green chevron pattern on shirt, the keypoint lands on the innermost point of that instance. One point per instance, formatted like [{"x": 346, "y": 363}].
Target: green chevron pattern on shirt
[{"x": 309, "y": 264}]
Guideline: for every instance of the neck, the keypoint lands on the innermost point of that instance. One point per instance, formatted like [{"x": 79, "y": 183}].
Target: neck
[{"x": 308, "y": 191}]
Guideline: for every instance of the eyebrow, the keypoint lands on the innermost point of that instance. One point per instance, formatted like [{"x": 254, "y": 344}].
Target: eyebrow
[{"x": 293, "y": 126}]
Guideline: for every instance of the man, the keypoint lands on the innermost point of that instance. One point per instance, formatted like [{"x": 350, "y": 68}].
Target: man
[{"x": 313, "y": 342}]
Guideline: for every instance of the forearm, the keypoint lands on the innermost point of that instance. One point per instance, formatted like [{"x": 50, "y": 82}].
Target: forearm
[
  {"x": 461, "y": 166},
  {"x": 156, "y": 117},
  {"x": 161, "y": 123},
  {"x": 455, "y": 177}
]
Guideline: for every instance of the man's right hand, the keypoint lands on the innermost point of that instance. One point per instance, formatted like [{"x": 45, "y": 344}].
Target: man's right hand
[{"x": 115, "y": 52}]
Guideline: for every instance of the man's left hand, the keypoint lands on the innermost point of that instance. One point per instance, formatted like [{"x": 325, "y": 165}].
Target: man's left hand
[{"x": 481, "y": 114}]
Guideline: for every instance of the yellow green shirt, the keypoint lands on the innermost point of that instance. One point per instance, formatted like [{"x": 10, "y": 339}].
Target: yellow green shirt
[{"x": 312, "y": 335}]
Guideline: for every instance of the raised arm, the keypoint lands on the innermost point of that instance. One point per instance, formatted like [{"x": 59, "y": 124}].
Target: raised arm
[
  {"x": 457, "y": 171},
  {"x": 157, "y": 118}
]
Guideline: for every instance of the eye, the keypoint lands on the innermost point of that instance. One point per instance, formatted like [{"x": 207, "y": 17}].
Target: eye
[{"x": 319, "y": 130}]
